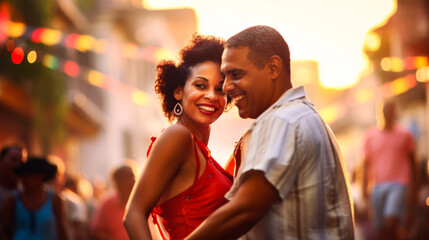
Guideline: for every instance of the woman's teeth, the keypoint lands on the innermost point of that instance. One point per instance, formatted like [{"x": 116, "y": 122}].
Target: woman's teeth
[{"x": 207, "y": 108}]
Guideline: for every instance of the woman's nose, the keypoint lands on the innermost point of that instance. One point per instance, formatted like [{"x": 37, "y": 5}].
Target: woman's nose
[{"x": 210, "y": 94}]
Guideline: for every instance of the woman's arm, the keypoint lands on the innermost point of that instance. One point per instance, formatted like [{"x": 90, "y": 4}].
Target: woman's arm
[
  {"x": 167, "y": 157},
  {"x": 59, "y": 211}
]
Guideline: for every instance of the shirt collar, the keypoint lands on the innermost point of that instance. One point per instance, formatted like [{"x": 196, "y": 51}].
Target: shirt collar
[{"x": 290, "y": 95}]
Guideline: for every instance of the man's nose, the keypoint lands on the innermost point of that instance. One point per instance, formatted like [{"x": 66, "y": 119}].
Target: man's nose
[{"x": 227, "y": 86}]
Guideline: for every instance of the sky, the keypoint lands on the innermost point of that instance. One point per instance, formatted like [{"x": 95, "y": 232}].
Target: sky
[{"x": 332, "y": 32}]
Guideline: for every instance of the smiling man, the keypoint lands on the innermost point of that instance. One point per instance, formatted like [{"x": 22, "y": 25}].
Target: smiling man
[{"x": 291, "y": 183}]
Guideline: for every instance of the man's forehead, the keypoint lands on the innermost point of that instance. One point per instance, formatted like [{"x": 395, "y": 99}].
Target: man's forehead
[
  {"x": 232, "y": 57},
  {"x": 235, "y": 52}
]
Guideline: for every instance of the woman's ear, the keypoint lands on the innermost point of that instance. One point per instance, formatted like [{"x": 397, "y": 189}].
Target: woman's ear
[
  {"x": 178, "y": 93},
  {"x": 275, "y": 65}
]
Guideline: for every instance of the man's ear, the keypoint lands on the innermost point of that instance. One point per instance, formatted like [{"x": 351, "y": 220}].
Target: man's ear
[
  {"x": 275, "y": 66},
  {"x": 178, "y": 93}
]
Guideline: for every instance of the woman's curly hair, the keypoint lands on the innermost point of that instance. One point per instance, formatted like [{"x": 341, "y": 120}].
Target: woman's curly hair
[{"x": 170, "y": 75}]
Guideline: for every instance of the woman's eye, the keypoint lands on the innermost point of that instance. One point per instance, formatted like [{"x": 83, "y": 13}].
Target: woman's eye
[{"x": 202, "y": 86}]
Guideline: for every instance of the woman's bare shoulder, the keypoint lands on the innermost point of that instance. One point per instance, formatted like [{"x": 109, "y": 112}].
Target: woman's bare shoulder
[
  {"x": 177, "y": 134},
  {"x": 177, "y": 139}
]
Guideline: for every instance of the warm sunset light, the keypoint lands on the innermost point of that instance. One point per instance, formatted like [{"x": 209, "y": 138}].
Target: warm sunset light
[{"x": 332, "y": 32}]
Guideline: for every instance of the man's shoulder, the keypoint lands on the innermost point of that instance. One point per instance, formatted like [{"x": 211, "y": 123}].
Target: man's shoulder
[{"x": 293, "y": 111}]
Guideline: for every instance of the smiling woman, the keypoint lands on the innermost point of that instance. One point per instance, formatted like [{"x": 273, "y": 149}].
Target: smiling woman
[
  {"x": 180, "y": 168},
  {"x": 330, "y": 32}
]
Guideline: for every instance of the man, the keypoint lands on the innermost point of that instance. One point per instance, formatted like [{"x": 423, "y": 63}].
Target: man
[
  {"x": 389, "y": 153},
  {"x": 107, "y": 219},
  {"x": 291, "y": 183},
  {"x": 11, "y": 156}
]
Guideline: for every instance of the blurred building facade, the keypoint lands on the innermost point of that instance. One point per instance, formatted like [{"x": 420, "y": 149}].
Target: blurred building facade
[
  {"x": 398, "y": 52},
  {"x": 105, "y": 55}
]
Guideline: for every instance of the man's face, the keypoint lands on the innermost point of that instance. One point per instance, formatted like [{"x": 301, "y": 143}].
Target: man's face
[
  {"x": 250, "y": 88},
  {"x": 11, "y": 160}
]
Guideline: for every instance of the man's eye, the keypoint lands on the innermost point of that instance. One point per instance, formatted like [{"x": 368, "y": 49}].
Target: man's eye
[{"x": 236, "y": 75}]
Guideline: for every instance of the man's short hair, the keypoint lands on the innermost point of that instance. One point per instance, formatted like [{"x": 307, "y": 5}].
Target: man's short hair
[{"x": 263, "y": 42}]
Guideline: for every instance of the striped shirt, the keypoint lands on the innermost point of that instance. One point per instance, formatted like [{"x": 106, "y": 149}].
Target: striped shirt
[{"x": 300, "y": 158}]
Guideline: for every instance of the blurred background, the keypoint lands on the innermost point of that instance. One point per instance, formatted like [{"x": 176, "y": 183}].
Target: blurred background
[{"x": 76, "y": 76}]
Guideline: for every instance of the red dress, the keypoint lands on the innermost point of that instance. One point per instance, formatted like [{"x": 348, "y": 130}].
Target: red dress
[{"x": 184, "y": 212}]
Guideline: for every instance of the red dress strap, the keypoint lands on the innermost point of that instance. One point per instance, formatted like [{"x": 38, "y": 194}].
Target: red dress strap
[
  {"x": 156, "y": 223},
  {"x": 197, "y": 158}
]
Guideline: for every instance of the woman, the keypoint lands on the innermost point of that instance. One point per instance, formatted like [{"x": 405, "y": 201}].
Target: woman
[
  {"x": 174, "y": 183},
  {"x": 34, "y": 212}
]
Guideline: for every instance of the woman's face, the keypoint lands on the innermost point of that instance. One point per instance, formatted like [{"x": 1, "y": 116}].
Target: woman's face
[
  {"x": 202, "y": 98},
  {"x": 32, "y": 180}
]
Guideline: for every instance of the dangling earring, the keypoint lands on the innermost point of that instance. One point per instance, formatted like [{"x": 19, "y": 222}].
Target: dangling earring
[{"x": 178, "y": 109}]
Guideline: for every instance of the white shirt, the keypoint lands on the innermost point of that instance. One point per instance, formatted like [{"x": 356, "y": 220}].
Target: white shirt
[{"x": 292, "y": 145}]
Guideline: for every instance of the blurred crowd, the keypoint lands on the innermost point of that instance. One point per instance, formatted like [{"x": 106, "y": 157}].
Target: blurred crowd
[{"x": 40, "y": 199}]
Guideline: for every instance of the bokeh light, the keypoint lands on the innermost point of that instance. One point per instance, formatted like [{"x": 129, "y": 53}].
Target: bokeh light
[
  {"x": 50, "y": 37},
  {"x": 71, "y": 68},
  {"x": 32, "y": 56},
  {"x": 422, "y": 74},
  {"x": 70, "y": 40},
  {"x": 372, "y": 41},
  {"x": 95, "y": 78},
  {"x": 10, "y": 45},
  {"x": 17, "y": 55},
  {"x": 140, "y": 98},
  {"x": 36, "y": 35},
  {"x": 16, "y": 29},
  {"x": 84, "y": 43},
  {"x": 50, "y": 61}
]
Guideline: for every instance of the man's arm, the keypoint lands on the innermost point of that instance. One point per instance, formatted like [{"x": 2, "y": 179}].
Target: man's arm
[{"x": 252, "y": 201}]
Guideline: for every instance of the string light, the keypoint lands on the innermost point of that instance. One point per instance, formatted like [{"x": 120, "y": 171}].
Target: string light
[
  {"x": 71, "y": 68},
  {"x": 32, "y": 56},
  {"x": 17, "y": 55},
  {"x": 82, "y": 43}
]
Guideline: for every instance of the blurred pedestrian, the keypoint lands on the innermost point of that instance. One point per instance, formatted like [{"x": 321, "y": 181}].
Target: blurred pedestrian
[
  {"x": 11, "y": 156},
  {"x": 364, "y": 229},
  {"x": 420, "y": 225},
  {"x": 291, "y": 183},
  {"x": 75, "y": 208},
  {"x": 34, "y": 212},
  {"x": 106, "y": 222},
  {"x": 77, "y": 214},
  {"x": 389, "y": 163},
  {"x": 174, "y": 183}
]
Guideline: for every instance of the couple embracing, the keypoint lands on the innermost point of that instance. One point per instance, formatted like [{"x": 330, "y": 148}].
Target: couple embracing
[{"x": 289, "y": 179}]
